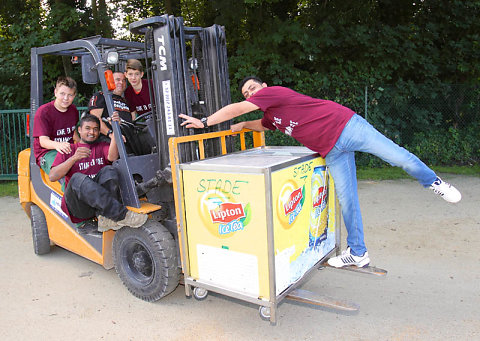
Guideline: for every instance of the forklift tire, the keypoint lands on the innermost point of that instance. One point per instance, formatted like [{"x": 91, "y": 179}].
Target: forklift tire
[
  {"x": 41, "y": 240},
  {"x": 146, "y": 260}
]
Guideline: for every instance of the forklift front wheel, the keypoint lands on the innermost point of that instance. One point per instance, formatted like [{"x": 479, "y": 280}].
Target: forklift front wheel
[
  {"x": 200, "y": 293},
  {"x": 264, "y": 312},
  {"x": 146, "y": 260},
  {"x": 41, "y": 239}
]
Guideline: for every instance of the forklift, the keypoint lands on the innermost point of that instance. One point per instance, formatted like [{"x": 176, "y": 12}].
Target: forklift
[{"x": 188, "y": 73}]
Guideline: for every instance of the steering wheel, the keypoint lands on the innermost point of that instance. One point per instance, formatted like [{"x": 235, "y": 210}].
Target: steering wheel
[{"x": 142, "y": 116}]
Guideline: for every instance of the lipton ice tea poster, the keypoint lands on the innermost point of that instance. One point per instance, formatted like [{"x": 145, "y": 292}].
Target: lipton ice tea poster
[
  {"x": 226, "y": 230},
  {"x": 300, "y": 212}
]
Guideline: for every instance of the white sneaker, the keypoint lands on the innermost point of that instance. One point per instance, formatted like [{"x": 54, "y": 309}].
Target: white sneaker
[
  {"x": 446, "y": 191},
  {"x": 346, "y": 258}
]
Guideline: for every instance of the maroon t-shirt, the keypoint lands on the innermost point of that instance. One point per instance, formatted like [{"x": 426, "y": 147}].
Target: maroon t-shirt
[
  {"x": 89, "y": 166},
  {"x": 57, "y": 125},
  {"x": 138, "y": 102},
  {"x": 315, "y": 123}
]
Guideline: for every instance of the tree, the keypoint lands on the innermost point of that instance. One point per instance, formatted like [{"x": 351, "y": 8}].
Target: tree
[
  {"x": 101, "y": 18},
  {"x": 33, "y": 23},
  {"x": 20, "y": 29},
  {"x": 328, "y": 48}
]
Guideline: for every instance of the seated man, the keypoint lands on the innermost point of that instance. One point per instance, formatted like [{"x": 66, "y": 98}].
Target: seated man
[
  {"x": 136, "y": 141},
  {"x": 92, "y": 187},
  {"x": 54, "y": 124},
  {"x": 98, "y": 107}
]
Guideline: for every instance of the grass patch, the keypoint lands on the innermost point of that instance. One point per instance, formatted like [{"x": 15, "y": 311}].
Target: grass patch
[
  {"x": 461, "y": 170},
  {"x": 394, "y": 173},
  {"x": 384, "y": 173},
  {"x": 8, "y": 189}
]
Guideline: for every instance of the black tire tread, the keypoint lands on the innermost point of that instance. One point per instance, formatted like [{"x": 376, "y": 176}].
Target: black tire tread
[
  {"x": 40, "y": 237},
  {"x": 163, "y": 247}
]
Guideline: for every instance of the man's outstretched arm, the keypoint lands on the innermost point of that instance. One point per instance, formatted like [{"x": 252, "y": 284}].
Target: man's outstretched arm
[
  {"x": 253, "y": 125},
  {"x": 224, "y": 114}
]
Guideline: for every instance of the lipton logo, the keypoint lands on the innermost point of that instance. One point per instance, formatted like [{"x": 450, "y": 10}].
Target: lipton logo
[
  {"x": 317, "y": 200},
  {"x": 295, "y": 197},
  {"x": 227, "y": 212}
]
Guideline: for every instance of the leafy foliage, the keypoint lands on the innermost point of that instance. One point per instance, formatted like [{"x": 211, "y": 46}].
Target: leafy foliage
[
  {"x": 330, "y": 49},
  {"x": 35, "y": 23}
]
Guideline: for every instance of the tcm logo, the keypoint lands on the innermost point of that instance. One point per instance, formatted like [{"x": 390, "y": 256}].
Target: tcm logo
[
  {"x": 320, "y": 197},
  {"x": 162, "y": 53},
  {"x": 227, "y": 212},
  {"x": 292, "y": 202}
]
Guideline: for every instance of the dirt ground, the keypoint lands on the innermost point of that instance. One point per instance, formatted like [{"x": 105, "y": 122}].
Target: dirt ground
[{"x": 430, "y": 248}]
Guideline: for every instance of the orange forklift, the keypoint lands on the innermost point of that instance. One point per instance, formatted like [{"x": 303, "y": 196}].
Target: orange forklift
[{"x": 187, "y": 72}]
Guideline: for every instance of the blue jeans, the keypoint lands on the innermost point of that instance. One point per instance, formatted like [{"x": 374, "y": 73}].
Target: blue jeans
[{"x": 359, "y": 135}]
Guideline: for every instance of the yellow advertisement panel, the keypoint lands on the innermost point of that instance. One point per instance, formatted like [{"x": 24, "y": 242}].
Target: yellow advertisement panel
[
  {"x": 226, "y": 227},
  {"x": 303, "y": 219}
]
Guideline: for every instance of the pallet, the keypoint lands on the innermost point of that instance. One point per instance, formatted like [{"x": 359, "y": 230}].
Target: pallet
[{"x": 369, "y": 270}]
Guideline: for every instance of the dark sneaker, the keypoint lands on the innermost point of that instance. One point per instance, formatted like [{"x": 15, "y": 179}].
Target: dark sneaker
[
  {"x": 446, "y": 191},
  {"x": 133, "y": 219},
  {"x": 346, "y": 258}
]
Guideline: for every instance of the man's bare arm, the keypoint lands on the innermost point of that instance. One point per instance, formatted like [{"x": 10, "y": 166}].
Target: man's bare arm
[
  {"x": 113, "y": 149},
  {"x": 253, "y": 125},
  {"x": 224, "y": 114},
  {"x": 61, "y": 147}
]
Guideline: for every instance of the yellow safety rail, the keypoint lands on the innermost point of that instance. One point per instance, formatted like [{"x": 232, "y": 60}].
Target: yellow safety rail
[{"x": 174, "y": 142}]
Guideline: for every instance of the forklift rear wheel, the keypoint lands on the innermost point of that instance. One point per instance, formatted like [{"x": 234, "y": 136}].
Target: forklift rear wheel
[
  {"x": 146, "y": 260},
  {"x": 200, "y": 293},
  {"x": 264, "y": 312},
  {"x": 41, "y": 239}
]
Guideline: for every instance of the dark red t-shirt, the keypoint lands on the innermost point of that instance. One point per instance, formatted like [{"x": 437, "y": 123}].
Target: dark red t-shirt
[
  {"x": 138, "y": 102},
  {"x": 89, "y": 166},
  {"x": 315, "y": 123},
  {"x": 57, "y": 125}
]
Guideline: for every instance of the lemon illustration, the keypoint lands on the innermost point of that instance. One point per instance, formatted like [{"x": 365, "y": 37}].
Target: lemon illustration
[
  {"x": 283, "y": 200},
  {"x": 211, "y": 200}
]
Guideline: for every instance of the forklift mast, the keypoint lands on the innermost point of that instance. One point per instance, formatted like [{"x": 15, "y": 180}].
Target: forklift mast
[{"x": 192, "y": 81}]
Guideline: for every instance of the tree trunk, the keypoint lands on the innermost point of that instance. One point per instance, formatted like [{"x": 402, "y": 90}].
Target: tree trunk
[
  {"x": 104, "y": 19},
  {"x": 101, "y": 19},
  {"x": 172, "y": 7},
  {"x": 95, "y": 16}
]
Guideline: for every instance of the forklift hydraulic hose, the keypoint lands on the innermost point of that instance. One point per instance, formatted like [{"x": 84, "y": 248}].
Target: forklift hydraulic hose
[{"x": 160, "y": 178}]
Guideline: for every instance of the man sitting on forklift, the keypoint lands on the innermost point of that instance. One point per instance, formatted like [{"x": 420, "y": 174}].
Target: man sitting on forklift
[
  {"x": 98, "y": 107},
  {"x": 138, "y": 141},
  {"x": 54, "y": 124},
  {"x": 92, "y": 184},
  {"x": 137, "y": 93}
]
